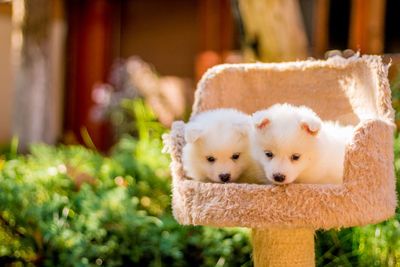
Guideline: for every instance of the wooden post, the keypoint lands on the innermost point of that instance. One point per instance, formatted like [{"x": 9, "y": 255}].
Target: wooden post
[
  {"x": 6, "y": 79},
  {"x": 90, "y": 52},
  {"x": 274, "y": 247},
  {"x": 36, "y": 58},
  {"x": 321, "y": 27},
  {"x": 367, "y": 26},
  {"x": 216, "y": 34}
]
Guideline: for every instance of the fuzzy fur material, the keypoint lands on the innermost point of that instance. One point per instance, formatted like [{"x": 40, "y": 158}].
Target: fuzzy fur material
[{"x": 354, "y": 91}]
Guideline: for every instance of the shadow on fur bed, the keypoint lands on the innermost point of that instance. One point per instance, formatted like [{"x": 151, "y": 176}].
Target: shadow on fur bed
[{"x": 353, "y": 91}]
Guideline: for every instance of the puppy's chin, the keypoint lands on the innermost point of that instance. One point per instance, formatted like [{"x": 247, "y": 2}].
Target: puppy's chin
[
  {"x": 218, "y": 181},
  {"x": 281, "y": 183},
  {"x": 213, "y": 180},
  {"x": 278, "y": 183}
]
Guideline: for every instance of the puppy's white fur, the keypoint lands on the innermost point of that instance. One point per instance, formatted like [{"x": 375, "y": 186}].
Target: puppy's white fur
[
  {"x": 290, "y": 132},
  {"x": 221, "y": 134}
]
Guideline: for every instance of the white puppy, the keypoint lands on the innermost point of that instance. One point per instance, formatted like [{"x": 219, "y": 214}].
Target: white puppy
[
  {"x": 294, "y": 145},
  {"x": 218, "y": 148}
]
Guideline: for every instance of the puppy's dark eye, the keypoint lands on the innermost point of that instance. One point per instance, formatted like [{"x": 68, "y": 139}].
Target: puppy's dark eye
[
  {"x": 295, "y": 157},
  {"x": 235, "y": 156},
  {"x": 210, "y": 159},
  {"x": 269, "y": 154}
]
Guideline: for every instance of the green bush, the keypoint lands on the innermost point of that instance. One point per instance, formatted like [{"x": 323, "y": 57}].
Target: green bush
[{"x": 120, "y": 215}]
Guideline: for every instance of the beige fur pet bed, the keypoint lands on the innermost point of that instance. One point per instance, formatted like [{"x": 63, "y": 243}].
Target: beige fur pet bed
[{"x": 353, "y": 91}]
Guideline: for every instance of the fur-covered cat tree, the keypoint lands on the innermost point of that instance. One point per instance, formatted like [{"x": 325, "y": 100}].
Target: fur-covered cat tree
[{"x": 353, "y": 91}]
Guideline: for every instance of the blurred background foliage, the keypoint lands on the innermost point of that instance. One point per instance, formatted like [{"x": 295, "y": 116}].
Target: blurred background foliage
[{"x": 73, "y": 206}]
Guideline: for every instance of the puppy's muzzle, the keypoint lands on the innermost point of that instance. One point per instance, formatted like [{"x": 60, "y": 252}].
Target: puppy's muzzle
[
  {"x": 279, "y": 177},
  {"x": 225, "y": 177}
]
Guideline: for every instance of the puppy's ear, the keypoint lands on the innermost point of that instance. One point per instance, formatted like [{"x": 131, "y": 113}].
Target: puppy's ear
[
  {"x": 262, "y": 124},
  {"x": 260, "y": 120},
  {"x": 311, "y": 125},
  {"x": 193, "y": 132}
]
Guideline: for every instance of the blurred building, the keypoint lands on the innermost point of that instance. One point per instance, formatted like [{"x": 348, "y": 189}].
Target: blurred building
[{"x": 179, "y": 38}]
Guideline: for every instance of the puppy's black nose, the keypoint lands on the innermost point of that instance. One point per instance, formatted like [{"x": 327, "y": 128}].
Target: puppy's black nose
[
  {"x": 225, "y": 177},
  {"x": 279, "y": 177}
]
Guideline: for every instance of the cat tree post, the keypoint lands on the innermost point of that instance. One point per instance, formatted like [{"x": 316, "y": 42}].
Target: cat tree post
[
  {"x": 274, "y": 247},
  {"x": 353, "y": 91}
]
